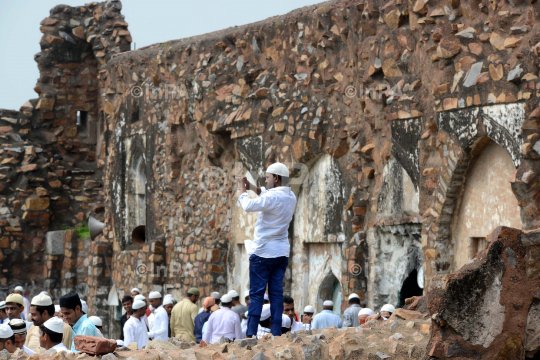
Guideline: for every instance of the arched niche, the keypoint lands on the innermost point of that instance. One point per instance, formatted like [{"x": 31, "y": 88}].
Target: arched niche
[
  {"x": 136, "y": 198},
  {"x": 329, "y": 289},
  {"x": 486, "y": 201}
]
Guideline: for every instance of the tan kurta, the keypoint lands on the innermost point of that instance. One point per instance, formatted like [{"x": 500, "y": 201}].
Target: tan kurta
[
  {"x": 32, "y": 338},
  {"x": 183, "y": 320}
]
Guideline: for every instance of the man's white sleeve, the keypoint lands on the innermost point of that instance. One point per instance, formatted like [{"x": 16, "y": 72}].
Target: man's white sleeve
[
  {"x": 128, "y": 334},
  {"x": 238, "y": 330},
  {"x": 261, "y": 202},
  {"x": 161, "y": 330},
  {"x": 209, "y": 329}
]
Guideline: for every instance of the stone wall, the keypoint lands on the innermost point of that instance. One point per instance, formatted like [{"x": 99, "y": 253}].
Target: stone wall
[{"x": 378, "y": 109}]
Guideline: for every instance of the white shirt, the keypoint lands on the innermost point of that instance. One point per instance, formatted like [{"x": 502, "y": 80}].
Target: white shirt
[
  {"x": 135, "y": 331},
  {"x": 145, "y": 320},
  {"x": 296, "y": 326},
  {"x": 151, "y": 321},
  {"x": 262, "y": 331},
  {"x": 223, "y": 322},
  {"x": 276, "y": 208},
  {"x": 61, "y": 347},
  {"x": 28, "y": 351},
  {"x": 26, "y": 310},
  {"x": 161, "y": 325}
]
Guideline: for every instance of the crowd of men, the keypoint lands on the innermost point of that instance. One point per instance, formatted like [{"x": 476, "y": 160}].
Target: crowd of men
[
  {"x": 42, "y": 326},
  {"x": 225, "y": 316}
]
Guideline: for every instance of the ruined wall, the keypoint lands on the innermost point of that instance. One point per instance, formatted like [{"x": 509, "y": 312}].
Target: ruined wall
[
  {"x": 378, "y": 175},
  {"x": 489, "y": 308}
]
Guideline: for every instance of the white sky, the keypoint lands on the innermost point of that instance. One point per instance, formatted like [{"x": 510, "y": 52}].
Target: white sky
[{"x": 149, "y": 22}]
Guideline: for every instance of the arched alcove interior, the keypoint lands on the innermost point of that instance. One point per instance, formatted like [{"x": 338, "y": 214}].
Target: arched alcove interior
[
  {"x": 486, "y": 202},
  {"x": 330, "y": 289},
  {"x": 136, "y": 199}
]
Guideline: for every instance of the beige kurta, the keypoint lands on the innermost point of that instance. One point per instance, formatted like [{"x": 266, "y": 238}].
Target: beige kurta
[
  {"x": 32, "y": 338},
  {"x": 183, "y": 320}
]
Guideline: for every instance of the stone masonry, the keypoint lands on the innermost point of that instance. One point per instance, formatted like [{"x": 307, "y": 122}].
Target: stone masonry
[{"x": 379, "y": 109}]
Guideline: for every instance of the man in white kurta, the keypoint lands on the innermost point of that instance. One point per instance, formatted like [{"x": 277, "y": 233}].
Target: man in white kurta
[
  {"x": 135, "y": 329},
  {"x": 223, "y": 322},
  {"x": 160, "y": 330}
]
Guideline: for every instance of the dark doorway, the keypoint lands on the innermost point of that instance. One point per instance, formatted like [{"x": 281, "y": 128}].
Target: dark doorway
[{"x": 410, "y": 288}]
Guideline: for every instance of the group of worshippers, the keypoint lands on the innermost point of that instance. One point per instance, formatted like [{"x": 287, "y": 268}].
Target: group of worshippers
[
  {"x": 40, "y": 326},
  {"x": 146, "y": 319}
]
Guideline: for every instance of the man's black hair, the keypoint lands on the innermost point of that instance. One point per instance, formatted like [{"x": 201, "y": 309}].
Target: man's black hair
[
  {"x": 14, "y": 303},
  {"x": 41, "y": 309},
  {"x": 127, "y": 298},
  {"x": 247, "y": 297},
  {"x": 288, "y": 300},
  {"x": 266, "y": 323},
  {"x": 355, "y": 301},
  {"x": 284, "y": 179},
  {"x": 236, "y": 298},
  {"x": 55, "y": 337}
]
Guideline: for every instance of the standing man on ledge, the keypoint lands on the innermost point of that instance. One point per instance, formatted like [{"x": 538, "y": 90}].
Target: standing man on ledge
[{"x": 269, "y": 255}]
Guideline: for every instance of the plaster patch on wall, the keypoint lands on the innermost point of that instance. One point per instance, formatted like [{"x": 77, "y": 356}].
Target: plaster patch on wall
[
  {"x": 405, "y": 137},
  {"x": 394, "y": 252},
  {"x": 503, "y": 125},
  {"x": 318, "y": 213},
  {"x": 398, "y": 196}
]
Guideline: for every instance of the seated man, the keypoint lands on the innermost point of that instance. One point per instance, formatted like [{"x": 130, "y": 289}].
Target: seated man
[
  {"x": 285, "y": 324},
  {"x": 51, "y": 334},
  {"x": 309, "y": 311},
  {"x": 265, "y": 322},
  {"x": 19, "y": 329},
  {"x": 7, "y": 339},
  {"x": 386, "y": 311},
  {"x": 327, "y": 318},
  {"x": 364, "y": 314}
]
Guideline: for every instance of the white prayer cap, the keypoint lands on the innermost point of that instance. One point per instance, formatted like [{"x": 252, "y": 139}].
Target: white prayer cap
[
  {"x": 285, "y": 321},
  {"x": 56, "y": 308},
  {"x": 138, "y": 304},
  {"x": 19, "y": 288},
  {"x": 154, "y": 295},
  {"x": 265, "y": 313},
  {"x": 5, "y": 331},
  {"x": 2, "y": 304},
  {"x": 136, "y": 290},
  {"x": 44, "y": 293},
  {"x": 266, "y": 297},
  {"x": 84, "y": 307},
  {"x": 139, "y": 297},
  {"x": 354, "y": 296},
  {"x": 95, "y": 320},
  {"x": 226, "y": 299},
  {"x": 18, "y": 326},
  {"x": 215, "y": 295},
  {"x": 309, "y": 309},
  {"x": 388, "y": 308},
  {"x": 55, "y": 324},
  {"x": 278, "y": 169},
  {"x": 41, "y": 300},
  {"x": 168, "y": 296},
  {"x": 120, "y": 343},
  {"x": 167, "y": 301},
  {"x": 365, "y": 311},
  {"x": 233, "y": 293},
  {"x": 328, "y": 303}
]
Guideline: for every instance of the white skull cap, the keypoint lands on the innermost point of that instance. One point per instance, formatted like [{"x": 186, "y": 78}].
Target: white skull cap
[
  {"x": 265, "y": 313},
  {"x": 55, "y": 324},
  {"x": 278, "y": 169}
]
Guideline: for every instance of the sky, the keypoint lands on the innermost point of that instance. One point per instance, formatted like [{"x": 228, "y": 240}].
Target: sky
[{"x": 149, "y": 22}]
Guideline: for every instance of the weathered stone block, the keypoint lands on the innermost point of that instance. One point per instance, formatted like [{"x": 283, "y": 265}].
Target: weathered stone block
[{"x": 55, "y": 243}]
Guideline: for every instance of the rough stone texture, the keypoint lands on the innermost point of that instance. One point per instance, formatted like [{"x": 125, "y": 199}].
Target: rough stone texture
[
  {"x": 487, "y": 308},
  {"x": 94, "y": 345}
]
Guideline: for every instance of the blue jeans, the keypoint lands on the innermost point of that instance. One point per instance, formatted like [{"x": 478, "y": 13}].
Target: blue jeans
[{"x": 263, "y": 271}]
